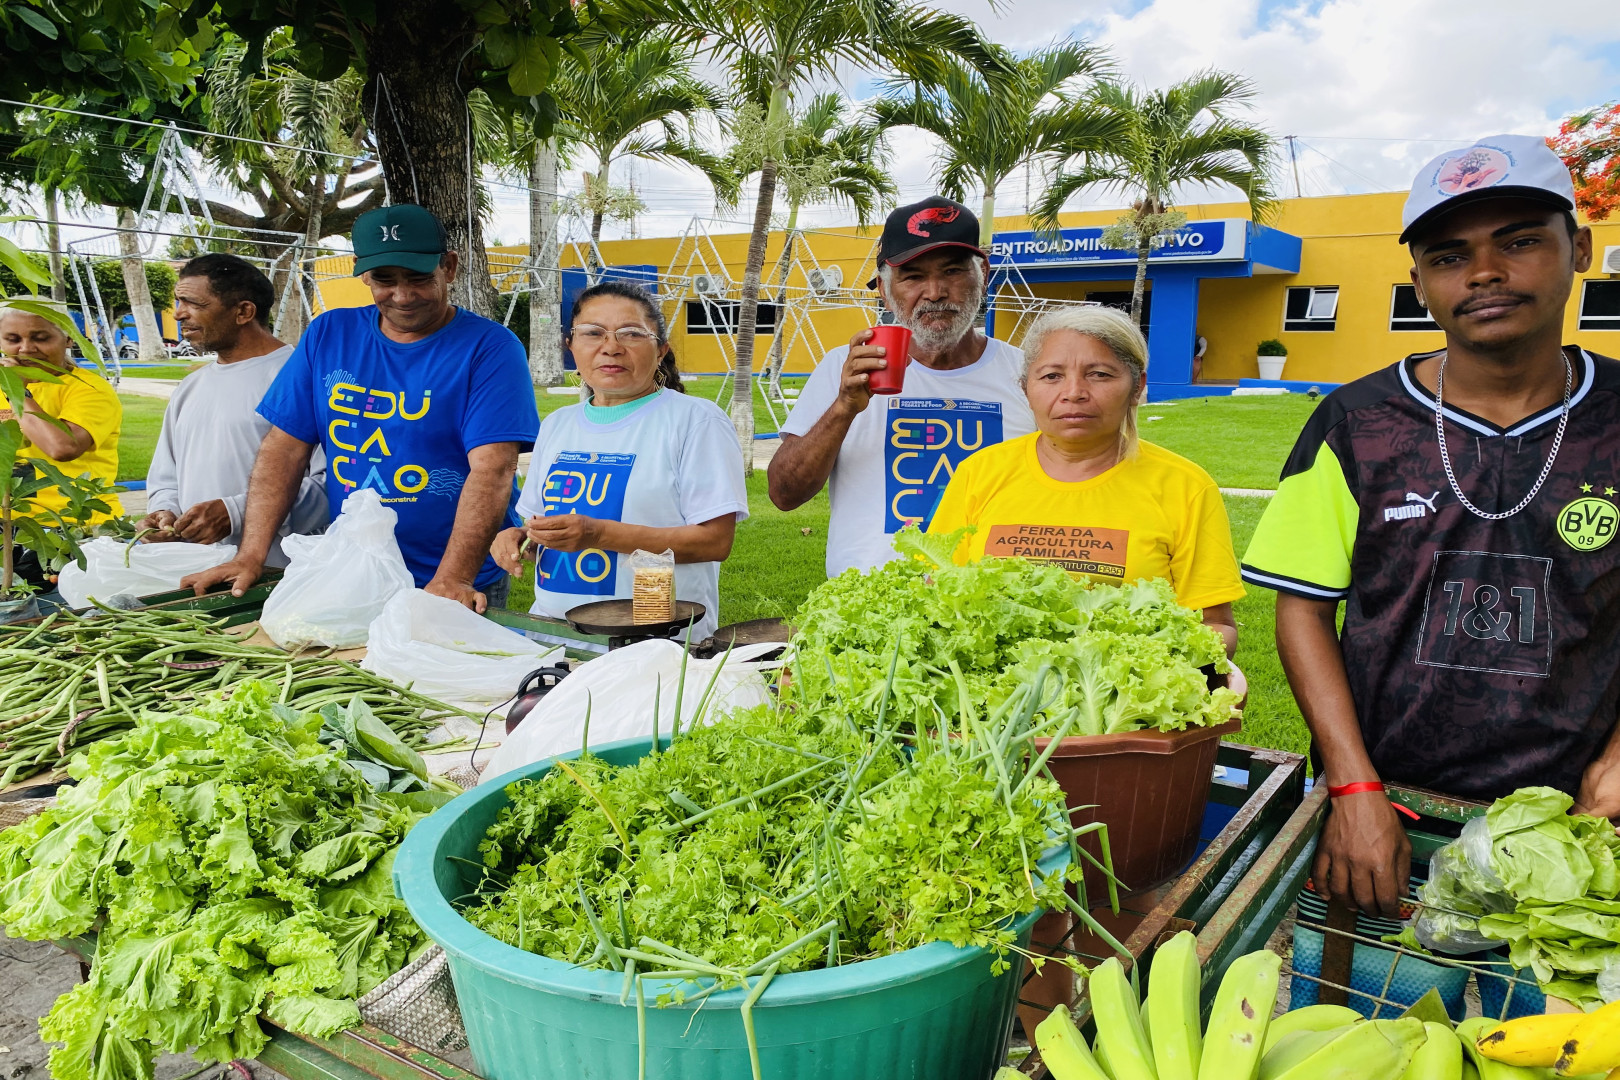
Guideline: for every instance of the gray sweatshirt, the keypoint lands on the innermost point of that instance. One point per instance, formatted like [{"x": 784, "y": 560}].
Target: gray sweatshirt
[{"x": 211, "y": 434}]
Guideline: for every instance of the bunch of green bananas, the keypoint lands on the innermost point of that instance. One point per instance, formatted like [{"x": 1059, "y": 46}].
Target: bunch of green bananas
[
  {"x": 1557, "y": 1044},
  {"x": 1161, "y": 1039}
]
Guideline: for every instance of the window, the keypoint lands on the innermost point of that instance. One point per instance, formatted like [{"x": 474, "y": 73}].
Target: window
[
  {"x": 720, "y": 317},
  {"x": 1600, "y": 306},
  {"x": 1311, "y": 307},
  {"x": 1405, "y": 313}
]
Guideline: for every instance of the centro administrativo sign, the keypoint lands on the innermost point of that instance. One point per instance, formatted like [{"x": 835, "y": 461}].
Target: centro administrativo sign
[{"x": 1197, "y": 241}]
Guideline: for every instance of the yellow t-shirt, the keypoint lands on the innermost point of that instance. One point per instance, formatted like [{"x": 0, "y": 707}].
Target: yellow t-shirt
[
  {"x": 1155, "y": 516},
  {"x": 83, "y": 398}
]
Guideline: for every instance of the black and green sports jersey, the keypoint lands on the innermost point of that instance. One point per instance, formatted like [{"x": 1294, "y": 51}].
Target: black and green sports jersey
[{"x": 1483, "y": 655}]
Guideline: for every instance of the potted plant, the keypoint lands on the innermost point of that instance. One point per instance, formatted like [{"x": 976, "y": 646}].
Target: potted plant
[
  {"x": 52, "y": 535},
  {"x": 1272, "y": 355}
]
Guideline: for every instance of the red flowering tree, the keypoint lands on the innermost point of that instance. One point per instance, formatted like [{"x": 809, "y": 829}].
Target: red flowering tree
[{"x": 1589, "y": 143}]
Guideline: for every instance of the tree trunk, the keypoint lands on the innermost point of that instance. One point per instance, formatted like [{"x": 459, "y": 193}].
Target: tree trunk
[
  {"x": 987, "y": 219},
  {"x": 53, "y": 241},
  {"x": 290, "y": 321},
  {"x": 1144, "y": 247},
  {"x": 147, "y": 332},
  {"x": 784, "y": 268},
  {"x": 545, "y": 289},
  {"x": 421, "y": 132},
  {"x": 742, "y": 389},
  {"x": 598, "y": 213}
]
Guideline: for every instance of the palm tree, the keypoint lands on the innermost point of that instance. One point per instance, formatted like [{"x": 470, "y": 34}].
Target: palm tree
[
  {"x": 825, "y": 158},
  {"x": 520, "y": 151},
  {"x": 635, "y": 98},
  {"x": 990, "y": 125},
  {"x": 1184, "y": 134},
  {"x": 777, "y": 46},
  {"x": 277, "y": 103}
]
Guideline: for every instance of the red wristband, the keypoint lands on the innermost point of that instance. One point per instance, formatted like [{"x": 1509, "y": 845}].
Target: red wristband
[
  {"x": 1354, "y": 789},
  {"x": 1370, "y": 785}
]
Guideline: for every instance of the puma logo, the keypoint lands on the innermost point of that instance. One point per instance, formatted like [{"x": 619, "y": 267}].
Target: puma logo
[{"x": 1415, "y": 506}]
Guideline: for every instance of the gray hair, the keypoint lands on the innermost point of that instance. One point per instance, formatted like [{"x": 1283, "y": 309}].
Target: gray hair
[{"x": 1111, "y": 327}]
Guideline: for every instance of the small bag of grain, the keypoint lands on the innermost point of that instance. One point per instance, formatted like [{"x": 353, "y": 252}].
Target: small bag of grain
[{"x": 652, "y": 587}]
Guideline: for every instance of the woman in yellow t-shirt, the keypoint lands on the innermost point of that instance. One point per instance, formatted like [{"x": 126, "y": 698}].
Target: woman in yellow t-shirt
[
  {"x": 1082, "y": 491},
  {"x": 73, "y": 423}
]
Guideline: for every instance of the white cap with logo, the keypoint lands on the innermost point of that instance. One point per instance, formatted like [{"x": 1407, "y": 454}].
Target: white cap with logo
[{"x": 1497, "y": 167}]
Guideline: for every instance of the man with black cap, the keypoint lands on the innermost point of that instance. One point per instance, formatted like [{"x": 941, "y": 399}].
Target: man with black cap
[
  {"x": 887, "y": 464},
  {"x": 1462, "y": 505},
  {"x": 424, "y": 402}
]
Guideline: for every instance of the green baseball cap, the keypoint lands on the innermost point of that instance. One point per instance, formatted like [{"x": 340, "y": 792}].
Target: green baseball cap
[{"x": 400, "y": 235}]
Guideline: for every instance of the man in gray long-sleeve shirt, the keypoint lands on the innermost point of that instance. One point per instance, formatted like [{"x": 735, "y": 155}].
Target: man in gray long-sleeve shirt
[{"x": 197, "y": 483}]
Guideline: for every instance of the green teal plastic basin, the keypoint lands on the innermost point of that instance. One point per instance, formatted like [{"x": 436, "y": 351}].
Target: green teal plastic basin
[{"x": 934, "y": 1012}]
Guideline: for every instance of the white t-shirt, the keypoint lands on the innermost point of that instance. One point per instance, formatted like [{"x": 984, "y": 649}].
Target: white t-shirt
[
  {"x": 209, "y": 440},
  {"x": 674, "y": 461},
  {"x": 901, "y": 450}
]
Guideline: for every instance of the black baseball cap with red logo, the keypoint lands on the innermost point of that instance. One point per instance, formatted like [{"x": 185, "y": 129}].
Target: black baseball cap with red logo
[{"x": 925, "y": 226}]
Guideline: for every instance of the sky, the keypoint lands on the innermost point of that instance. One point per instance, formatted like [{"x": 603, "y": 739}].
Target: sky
[{"x": 1370, "y": 88}]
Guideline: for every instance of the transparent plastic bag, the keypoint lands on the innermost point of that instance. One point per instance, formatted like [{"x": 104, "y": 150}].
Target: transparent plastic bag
[
  {"x": 1608, "y": 980},
  {"x": 1463, "y": 886},
  {"x": 618, "y": 690},
  {"x": 337, "y": 583},
  {"x": 152, "y": 568},
  {"x": 652, "y": 586},
  {"x": 446, "y": 651}
]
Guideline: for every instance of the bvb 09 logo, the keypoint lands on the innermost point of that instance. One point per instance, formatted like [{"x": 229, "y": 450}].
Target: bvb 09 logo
[{"x": 1588, "y": 524}]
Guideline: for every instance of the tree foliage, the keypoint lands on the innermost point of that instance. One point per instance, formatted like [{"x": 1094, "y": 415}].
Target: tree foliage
[
  {"x": 321, "y": 135},
  {"x": 636, "y": 97},
  {"x": 161, "y": 278},
  {"x": 1187, "y": 133},
  {"x": 1589, "y": 143},
  {"x": 989, "y": 124}
]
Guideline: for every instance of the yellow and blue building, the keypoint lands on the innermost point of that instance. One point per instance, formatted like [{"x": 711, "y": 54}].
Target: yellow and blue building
[{"x": 1325, "y": 276}]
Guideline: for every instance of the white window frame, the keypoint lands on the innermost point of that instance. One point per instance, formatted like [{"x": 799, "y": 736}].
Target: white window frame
[
  {"x": 1321, "y": 307},
  {"x": 1402, "y": 324},
  {"x": 1597, "y": 322}
]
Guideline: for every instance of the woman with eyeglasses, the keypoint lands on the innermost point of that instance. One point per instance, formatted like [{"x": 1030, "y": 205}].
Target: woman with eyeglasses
[{"x": 637, "y": 465}]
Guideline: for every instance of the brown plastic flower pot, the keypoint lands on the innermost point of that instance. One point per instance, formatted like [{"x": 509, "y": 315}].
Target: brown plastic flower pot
[{"x": 1149, "y": 788}]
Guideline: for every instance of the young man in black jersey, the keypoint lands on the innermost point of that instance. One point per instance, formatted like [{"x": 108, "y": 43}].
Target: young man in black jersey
[{"x": 1463, "y": 506}]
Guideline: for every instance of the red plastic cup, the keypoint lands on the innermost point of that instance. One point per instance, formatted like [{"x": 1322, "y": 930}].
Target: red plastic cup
[{"x": 892, "y": 376}]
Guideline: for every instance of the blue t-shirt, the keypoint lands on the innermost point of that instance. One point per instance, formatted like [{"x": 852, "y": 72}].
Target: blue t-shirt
[{"x": 401, "y": 418}]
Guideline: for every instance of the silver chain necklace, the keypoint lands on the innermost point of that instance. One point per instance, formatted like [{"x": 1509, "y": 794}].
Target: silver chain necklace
[{"x": 1445, "y": 456}]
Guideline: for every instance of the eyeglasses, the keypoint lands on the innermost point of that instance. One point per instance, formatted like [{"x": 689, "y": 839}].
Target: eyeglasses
[{"x": 591, "y": 334}]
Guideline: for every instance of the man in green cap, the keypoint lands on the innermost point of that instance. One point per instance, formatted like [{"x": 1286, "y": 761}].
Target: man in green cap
[{"x": 425, "y": 403}]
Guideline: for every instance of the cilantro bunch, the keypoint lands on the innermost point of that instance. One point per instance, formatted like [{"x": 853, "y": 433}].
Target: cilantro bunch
[
  {"x": 1127, "y": 657},
  {"x": 227, "y": 862}
]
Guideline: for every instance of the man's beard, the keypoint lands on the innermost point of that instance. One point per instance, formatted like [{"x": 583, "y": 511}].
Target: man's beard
[{"x": 930, "y": 337}]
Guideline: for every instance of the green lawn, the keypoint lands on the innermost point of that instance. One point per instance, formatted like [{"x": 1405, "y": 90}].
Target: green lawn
[
  {"x": 1242, "y": 442},
  {"x": 163, "y": 371},
  {"x": 143, "y": 416}
]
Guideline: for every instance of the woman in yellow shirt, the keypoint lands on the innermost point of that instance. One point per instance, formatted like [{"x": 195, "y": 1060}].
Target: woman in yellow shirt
[
  {"x": 73, "y": 422},
  {"x": 1083, "y": 491}
]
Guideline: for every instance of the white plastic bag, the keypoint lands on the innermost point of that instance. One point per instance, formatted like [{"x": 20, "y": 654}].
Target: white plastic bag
[
  {"x": 338, "y": 582},
  {"x": 446, "y": 651},
  {"x": 619, "y": 689},
  {"x": 153, "y": 568}
]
